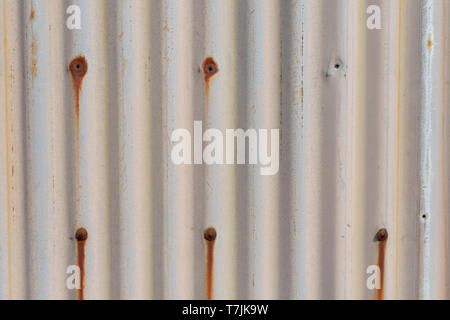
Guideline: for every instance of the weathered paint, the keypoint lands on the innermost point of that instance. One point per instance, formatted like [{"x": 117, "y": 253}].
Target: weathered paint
[{"x": 364, "y": 127}]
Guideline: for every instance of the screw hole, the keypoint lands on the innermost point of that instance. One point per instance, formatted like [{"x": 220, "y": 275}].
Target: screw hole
[
  {"x": 424, "y": 216},
  {"x": 209, "y": 68},
  {"x": 337, "y": 66}
]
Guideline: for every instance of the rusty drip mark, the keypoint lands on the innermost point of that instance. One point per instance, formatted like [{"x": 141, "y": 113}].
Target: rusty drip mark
[
  {"x": 381, "y": 237},
  {"x": 78, "y": 67},
  {"x": 34, "y": 50},
  {"x": 210, "y": 68},
  {"x": 81, "y": 235},
  {"x": 32, "y": 14},
  {"x": 210, "y": 235}
]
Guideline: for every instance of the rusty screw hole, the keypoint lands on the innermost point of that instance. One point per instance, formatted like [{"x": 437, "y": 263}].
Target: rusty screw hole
[
  {"x": 210, "y": 234},
  {"x": 81, "y": 234},
  {"x": 424, "y": 216},
  {"x": 210, "y": 68},
  {"x": 382, "y": 235},
  {"x": 78, "y": 67}
]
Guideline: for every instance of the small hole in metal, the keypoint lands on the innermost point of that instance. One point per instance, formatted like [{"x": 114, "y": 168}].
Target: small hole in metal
[{"x": 337, "y": 66}]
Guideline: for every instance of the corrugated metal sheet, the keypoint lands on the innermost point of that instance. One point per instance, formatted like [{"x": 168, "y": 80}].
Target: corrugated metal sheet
[{"x": 364, "y": 146}]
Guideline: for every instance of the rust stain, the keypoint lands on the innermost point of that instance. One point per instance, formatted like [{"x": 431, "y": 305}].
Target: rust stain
[
  {"x": 34, "y": 50},
  {"x": 209, "y": 68},
  {"x": 429, "y": 44},
  {"x": 34, "y": 68},
  {"x": 78, "y": 68},
  {"x": 32, "y": 14},
  {"x": 81, "y": 235},
  {"x": 210, "y": 235},
  {"x": 381, "y": 238}
]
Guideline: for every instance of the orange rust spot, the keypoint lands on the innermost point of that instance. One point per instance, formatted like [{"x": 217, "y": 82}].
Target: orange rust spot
[
  {"x": 210, "y": 68},
  {"x": 78, "y": 68},
  {"x": 32, "y": 14},
  {"x": 34, "y": 49},
  {"x": 81, "y": 235},
  {"x": 210, "y": 235},
  {"x": 381, "y": 237},
  {"x": 429, "y": 43}
]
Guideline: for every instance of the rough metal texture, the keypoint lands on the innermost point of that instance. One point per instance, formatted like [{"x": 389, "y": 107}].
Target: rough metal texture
[{"x": 86, "y": 176}]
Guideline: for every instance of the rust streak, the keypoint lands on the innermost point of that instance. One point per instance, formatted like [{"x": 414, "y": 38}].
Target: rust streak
[
  {"x": 81, "y": 235},
  {"x": 210, "y": 235},
  {"x": 32, "y": 14},
  {"x": 34, "y": 48},
  {"x": 210, "y": 68},
  {"x": 381, "y": 237},
  {"x": 34, "y": 62},
  {"x": 78, "y": 67}
]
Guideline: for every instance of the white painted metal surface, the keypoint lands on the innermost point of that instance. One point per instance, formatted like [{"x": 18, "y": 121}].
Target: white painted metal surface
[{"x": 364, "y": 144}]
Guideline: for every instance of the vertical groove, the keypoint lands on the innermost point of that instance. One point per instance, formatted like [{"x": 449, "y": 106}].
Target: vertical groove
[
  {"x": 336, "y": 179},
  {"x": 397, "y": 163},
  {"x": 443, "y": 150},
  {"x": 8, "y": 164}
]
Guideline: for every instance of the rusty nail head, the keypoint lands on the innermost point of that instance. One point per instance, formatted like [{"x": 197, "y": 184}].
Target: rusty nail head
[
  {"x": 382, "y": 234},
  {"x": 210, "y": 234},
  {"x": 81, "y": 234}
]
